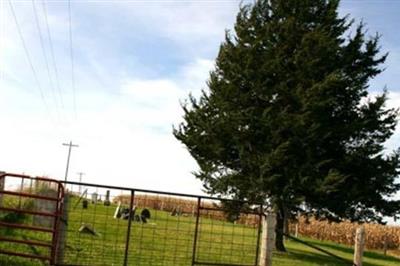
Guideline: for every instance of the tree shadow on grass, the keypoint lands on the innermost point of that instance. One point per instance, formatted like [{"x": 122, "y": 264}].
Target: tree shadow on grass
[
  {"x": 350, "y": 251},
  {"x": 306, "y": 258}
]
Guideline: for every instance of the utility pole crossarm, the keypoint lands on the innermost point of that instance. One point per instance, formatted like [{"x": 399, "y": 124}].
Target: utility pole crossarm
[{"x": 70, "y": 145}]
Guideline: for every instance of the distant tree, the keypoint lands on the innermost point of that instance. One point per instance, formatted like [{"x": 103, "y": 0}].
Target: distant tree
[{"x": 287, "y": 118}]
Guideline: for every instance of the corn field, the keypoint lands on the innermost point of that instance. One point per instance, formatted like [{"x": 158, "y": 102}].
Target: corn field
[
  {"x": 185, "y": 207},
  {"x": 343, "y": 233}
]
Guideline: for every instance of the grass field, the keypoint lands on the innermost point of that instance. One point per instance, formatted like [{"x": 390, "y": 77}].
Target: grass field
[
  {"x": 299, "y": 255},
  {"x": 168, "y": 240}
]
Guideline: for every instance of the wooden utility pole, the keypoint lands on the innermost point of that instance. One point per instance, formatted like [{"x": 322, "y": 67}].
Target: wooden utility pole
[
  {"x": 80, "y": 181},
  {"x": 70, "y": 145}
]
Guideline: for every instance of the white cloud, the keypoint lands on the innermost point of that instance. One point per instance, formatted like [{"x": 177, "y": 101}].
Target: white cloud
[
  {"x": 151, "y": 91},
  {"x": 185, "y": 22},
  {"x": 196, "y": 74},
  {"x": 125, "y": 139}
]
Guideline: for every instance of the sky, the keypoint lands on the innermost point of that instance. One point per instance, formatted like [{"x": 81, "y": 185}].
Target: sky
[{"x": 134, "y": 62}]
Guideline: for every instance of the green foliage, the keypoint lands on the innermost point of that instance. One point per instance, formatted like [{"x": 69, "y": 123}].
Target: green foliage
[
  {"x": 15, "y": 217},
  {"x": 12, "y": 217},
  {"x": 287, "y": 115}
]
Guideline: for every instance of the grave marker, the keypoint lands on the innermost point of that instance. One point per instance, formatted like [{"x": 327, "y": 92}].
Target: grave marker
[
  {"x": 117, "y": 213},
  {"x": 85, "y": 204},
  {"x": 107, "y": 200},
  {"x": 94, "y": 198}
]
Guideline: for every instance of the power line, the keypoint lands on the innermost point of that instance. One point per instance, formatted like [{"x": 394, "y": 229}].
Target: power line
[
  {"x": 27, "y": 54},
  {"x": 52, "y": 53},
  {"x": 44, "y": 52},
  {"x": 72, "y": 56}
]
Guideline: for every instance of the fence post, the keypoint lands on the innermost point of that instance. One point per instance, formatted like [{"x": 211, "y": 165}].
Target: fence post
[
  {"x": 196, "y": 231},
  {"x": 267, "y": 239},
  {"x": 359, "y": 246},
  {"x": 296, "y": 229},
  {"x": 62, "y": 240},
  {"x": 128, "y": 232},
  {"x": 385, "y": 244}
]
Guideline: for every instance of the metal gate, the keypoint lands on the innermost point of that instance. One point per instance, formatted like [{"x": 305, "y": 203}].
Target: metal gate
[
  {"x": 180, "y": 229},
  {"x": 109, "y": 225},
  {"x": 30, "y": 213},
  {"x": 219, "y": 240}
]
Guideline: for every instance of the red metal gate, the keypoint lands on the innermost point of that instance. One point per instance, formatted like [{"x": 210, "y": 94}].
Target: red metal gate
[{"x": 30, "y": 215}]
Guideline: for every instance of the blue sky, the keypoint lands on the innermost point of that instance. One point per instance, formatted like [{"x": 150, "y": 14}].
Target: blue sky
[{"x": 134, "y": 62}]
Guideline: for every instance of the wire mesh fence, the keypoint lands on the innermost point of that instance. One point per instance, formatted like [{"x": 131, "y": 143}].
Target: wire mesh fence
[{"x": 105, "y": 225}]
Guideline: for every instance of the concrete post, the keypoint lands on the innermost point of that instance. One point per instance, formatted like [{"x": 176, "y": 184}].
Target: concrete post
[
  {"x": 267, "y": 239},
  {"x": 63, "y": 229},
  {"x": 296, "y": 230},
  {"x": 359, "y": 246}
]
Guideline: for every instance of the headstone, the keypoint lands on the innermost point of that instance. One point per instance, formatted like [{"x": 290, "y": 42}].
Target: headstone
[
  {"x": 83, "y": 195},
  {"x": 117, "y": 213},
  {"x": 107, "y": 200},
  {"x": 145, "y": 214},
  {"x": 125, "y": 213},
  {"x": 87, "y": 229},
  {"x": 137, "y": 218},
  {"x": 85, "y": 204},
  {"x": 128, "y": 214},
  {"x": 47, "y": 206},
  {"x": 94, "y": 198}
]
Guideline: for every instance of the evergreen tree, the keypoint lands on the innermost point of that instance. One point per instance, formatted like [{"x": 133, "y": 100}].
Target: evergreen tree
[{"x": 287, "y": 118}]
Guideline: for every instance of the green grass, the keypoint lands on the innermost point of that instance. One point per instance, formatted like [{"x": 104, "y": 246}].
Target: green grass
[
  {"x": 299, "y": 254},
  {"x": 168, "y": 240},
  {"x": 164, "y": 240}
]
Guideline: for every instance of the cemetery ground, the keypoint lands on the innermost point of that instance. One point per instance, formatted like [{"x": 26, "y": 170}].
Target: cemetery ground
[{"x": 172, "y": 242}]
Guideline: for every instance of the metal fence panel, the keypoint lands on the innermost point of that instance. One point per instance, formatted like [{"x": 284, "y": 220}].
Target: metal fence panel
[{"x": 108, "y": 225}]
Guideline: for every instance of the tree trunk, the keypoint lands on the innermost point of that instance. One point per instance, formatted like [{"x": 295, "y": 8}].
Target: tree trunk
[
  {"x": 286, "y": 223},
  {"x": 280, "y": 225}
]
